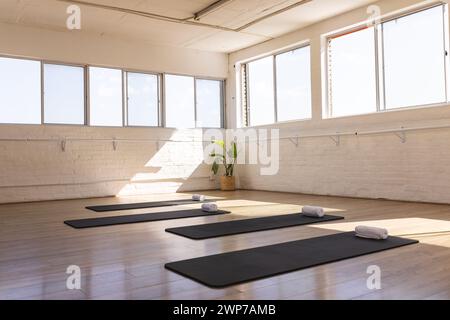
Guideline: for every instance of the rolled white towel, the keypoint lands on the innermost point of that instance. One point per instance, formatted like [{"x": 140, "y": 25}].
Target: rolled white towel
[
  {"x": 210, "y": 207},
  {"x": 315, "y": 212},
  {"x": 371, "y": 232},
  {"x": 198, "y": 197}
]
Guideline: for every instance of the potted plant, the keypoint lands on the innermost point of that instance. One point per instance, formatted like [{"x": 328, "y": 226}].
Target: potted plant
[{"x": 228, "y": 160}]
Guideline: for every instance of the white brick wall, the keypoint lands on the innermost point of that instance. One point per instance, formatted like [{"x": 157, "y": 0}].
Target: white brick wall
[
  {"x": 373, "y": 166},
  {"x": 40, "y": 170},
  {"x": 31, "y": 171}
]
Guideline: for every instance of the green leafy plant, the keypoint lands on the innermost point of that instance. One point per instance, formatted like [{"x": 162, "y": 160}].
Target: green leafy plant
[{"x": 226, "y": 158}]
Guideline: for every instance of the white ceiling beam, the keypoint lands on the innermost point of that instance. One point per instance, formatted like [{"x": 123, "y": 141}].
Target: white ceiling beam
[
  {"x": 191, "y": 20},
  {"x": 211, "y": 8}
]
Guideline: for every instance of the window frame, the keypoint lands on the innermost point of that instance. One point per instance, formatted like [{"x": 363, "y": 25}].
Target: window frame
[
  {"x": 88, "y": 96},
  {"x": 195, "y": 78},
  {"x": 379, "y": 61},
  {"x": 41, "y": 89},
  {"x": 222, "y": 100},
  {"x": 85, "y": 87},
  {"x": 379, "y": 78},
  {"x": 275, "y": 93},
  {"x": 124, "y": 71},
  {"x": 308, "y": 44},
  {"x": 247, "y": 79}
]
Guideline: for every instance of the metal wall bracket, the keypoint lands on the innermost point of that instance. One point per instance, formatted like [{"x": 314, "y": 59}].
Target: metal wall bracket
[
  {"x": 63, "y": 145},
  {"x": 401, "y": 135},
  {"x": 115, "y": 144},
  {"x": 295, "y": 141},
  {"x": 336, "y": 139}
]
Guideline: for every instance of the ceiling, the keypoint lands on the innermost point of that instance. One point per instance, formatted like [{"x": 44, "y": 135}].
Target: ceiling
[{"x": 51, "y": 14}]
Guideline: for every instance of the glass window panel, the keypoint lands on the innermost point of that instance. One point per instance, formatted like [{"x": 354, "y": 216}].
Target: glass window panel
[
  {"x": 179, "y": 98},
  {"x": 352, "y": 81},
  {"x": 261, "y": 91},
  {"x": 209, "y": 103},
  {"x": 105, "y": 91},
  {"x": 63, "y": 94},
  {"x": 20, "y": 91},
  {"x": 414, "y": 62},
  {"x": 142, "y": 99},
  {"x": 293, "y": 85}
]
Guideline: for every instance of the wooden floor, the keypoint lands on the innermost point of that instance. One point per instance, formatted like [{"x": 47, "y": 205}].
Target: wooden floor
[{"x": 127, "y": 262}]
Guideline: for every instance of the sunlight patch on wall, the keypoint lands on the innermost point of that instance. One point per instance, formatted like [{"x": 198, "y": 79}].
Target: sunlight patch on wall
[{"x": 176, "y": 163}]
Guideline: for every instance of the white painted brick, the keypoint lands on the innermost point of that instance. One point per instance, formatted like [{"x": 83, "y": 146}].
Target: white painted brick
[
  {"x": 375, "y": 166},
  {"x": 94, "y": 169}
]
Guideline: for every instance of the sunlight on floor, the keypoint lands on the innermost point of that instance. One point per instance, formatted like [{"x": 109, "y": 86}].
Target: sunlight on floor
[
  {"x": 251, "y": 208},
  {"x": 415, "y": 228},
  {"x": 251, "y": 203}
]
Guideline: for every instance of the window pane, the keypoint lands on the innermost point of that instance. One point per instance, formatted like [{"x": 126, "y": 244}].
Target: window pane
[
  {"x": 63, "y": 94},
  {"x": 142, "y": 99},
  {"x": 352, "y": 79},
  {"x": 294, "y": 85},
  {"x": 105, "y": 97},
  {"x": 209, "y": 103},
  {"x": 261, "y": 93},
  {"x": 180, "y": 111},
  {"x": 414, "y": 59},
  {"x": 20, "y": 91}
]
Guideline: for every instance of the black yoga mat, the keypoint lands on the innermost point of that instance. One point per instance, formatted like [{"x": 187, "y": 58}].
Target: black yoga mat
[
  {"x": 232, "y": 268},
  {"x": 219, "y": 229},
  {"x": 135, "y": 218},
  {"x": 142, "y": 205}
]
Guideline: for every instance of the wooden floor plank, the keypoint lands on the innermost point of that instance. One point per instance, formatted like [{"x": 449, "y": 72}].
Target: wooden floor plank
[{"x": 127, "y": 262}]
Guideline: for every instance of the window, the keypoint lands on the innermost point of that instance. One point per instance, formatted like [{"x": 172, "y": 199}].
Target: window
[
  {"x": 352, "y": 78},
  {"x": 399, "y": 63},
  {"x": 105, "y": 92},
  {"x": 293, "y": 85},
  {"x": 36, "y": 92},
  {"x": 261, "y": 92},
  {"x": 191, "y": 102},
  {"x": 278, "y": 88},
  {"x": 63, "y": 94},
  {"x": 180, "y": 108},
  {"x": 142, "y": 99},
  {"x": 209, "y": 103},
  {"x": 20, "y": 91},
  {"x": 414, "y": 60}
]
